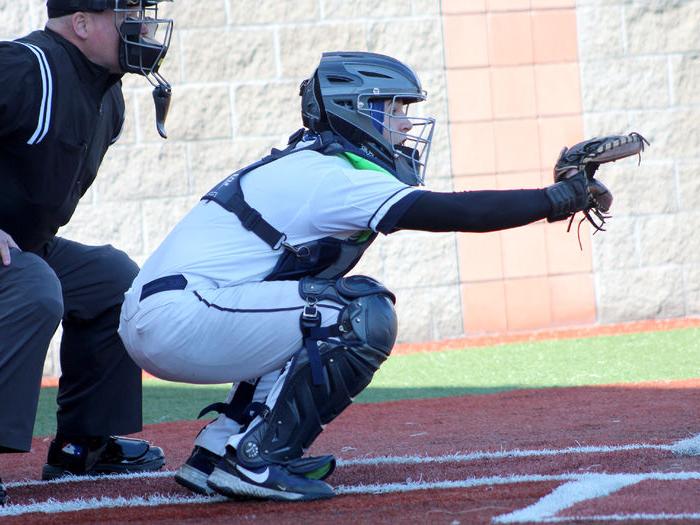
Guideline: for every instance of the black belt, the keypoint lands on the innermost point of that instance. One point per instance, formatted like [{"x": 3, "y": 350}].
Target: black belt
[{"x": 163, "y": 284}]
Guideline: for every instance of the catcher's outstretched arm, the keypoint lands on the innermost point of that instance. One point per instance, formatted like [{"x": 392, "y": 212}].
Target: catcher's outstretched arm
[
  {"x": 474, "y": 211},
  {"x": 482, "y": 211}
]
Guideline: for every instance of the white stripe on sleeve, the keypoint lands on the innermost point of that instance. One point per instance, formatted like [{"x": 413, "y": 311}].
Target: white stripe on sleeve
[{"x": 44, "y": 121}]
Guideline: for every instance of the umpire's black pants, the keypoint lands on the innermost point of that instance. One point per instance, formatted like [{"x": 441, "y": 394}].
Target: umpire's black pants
[{"x": 99, "y": 391}]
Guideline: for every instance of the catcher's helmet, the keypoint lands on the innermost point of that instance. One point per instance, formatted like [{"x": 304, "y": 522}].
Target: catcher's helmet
[{"x": 342, "y": 96}]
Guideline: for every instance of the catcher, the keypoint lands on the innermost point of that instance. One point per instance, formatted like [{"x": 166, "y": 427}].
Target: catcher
[{"x": 250, "y": 286}]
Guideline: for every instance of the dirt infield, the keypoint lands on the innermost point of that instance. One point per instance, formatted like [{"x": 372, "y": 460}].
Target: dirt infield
[{"x": 518, "y": 456}]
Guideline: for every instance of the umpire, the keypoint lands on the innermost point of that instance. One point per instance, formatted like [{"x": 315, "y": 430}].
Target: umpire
[{"x": 61, "y": 107}]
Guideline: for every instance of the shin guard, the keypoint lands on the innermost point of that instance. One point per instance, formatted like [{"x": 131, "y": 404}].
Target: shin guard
[{"x": 368, "y": 329}]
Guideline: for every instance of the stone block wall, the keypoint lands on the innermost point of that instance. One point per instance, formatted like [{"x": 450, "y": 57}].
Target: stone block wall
[
  {"x": 235, "y": 67},
  {"x": 640, "y": 71},
  {"x": 509, "y": 81}
]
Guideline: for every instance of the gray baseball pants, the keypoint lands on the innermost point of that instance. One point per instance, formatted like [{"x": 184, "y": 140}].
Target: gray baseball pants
[{"x": 100, "y": 387}]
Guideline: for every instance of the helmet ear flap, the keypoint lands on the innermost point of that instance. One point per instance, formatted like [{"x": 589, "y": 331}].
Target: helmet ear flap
[{"x": 313, "y": 112}]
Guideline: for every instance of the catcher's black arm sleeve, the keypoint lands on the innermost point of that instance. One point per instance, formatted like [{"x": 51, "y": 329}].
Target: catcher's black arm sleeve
[{"x": 469, "y": 211}]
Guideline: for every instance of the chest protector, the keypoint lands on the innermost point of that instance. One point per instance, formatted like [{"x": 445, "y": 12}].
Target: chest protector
[{"x": 326, "y": 258}]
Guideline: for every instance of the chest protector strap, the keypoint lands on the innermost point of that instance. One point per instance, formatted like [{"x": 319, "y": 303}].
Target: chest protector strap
[
  {"x": 328, "y": 258},
  {"x": 229, "y": 195}
]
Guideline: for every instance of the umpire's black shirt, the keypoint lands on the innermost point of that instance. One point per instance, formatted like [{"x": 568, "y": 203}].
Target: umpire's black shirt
[{"x": 59, "y": 113}]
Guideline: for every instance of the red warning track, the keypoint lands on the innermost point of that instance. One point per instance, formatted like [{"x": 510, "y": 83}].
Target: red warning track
[{"x": 653, "y": 414}]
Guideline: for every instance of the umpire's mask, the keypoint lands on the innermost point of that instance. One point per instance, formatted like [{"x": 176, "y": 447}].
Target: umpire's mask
[{"x": 144, "y": 41}]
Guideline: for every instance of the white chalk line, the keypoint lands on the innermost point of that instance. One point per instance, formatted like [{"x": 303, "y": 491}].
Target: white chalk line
[
  {"x": 587, "y": 487},
  {"x": 52, "y": 506},
  {"x": 545, "y": 511},
  {"x": 82, "y": 479},
  {"x": 55, "y": 506},
  {"x": 626, "y": 517},
  {"x": 689, "y": 446},
  {"x": 504, "y": 454},
  {"x": 567, "y": 495},
  {"x": 590, "y": 487}
]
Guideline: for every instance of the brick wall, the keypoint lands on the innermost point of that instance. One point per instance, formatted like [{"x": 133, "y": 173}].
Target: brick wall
[{"x": 514, "y": 101}]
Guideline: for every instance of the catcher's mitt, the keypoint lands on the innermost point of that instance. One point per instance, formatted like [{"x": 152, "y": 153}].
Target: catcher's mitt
[{"x": 587, "y": 156}]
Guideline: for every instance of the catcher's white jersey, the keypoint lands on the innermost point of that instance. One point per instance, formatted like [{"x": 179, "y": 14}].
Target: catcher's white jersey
[{"x": 305, "y": 195}]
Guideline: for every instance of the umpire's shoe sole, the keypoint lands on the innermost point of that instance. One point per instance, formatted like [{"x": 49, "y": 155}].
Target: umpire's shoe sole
[{"x": 270, "y": 482}]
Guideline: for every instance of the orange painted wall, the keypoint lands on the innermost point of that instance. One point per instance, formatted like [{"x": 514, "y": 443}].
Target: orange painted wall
[{"x": 514, "y": 101}]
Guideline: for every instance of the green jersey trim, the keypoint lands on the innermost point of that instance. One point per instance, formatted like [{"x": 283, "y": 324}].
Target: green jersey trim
[{"x": 361, "y": 163}]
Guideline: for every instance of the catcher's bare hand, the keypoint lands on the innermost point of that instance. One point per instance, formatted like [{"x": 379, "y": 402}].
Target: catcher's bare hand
[{"x": 6, "y": 242}]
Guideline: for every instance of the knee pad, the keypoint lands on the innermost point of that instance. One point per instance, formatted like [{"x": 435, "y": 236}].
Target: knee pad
[{"x": 367, "y": 331}]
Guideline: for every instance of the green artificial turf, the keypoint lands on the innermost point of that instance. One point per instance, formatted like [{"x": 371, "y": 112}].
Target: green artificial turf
[{"x": 625, "y": 358}]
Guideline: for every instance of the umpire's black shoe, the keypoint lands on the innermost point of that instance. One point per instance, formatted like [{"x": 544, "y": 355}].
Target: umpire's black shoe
[
  {"x": 94, "y": 456},
  {"x": 3, "y": 494},
  {"x": 194, "y": 472}
]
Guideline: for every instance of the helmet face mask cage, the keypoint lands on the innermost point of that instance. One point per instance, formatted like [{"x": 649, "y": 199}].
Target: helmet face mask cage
[
  {"x": 145, "y": 38},
  {"x": 144, "y": 41},
  {"x": 409, "y": 148}
]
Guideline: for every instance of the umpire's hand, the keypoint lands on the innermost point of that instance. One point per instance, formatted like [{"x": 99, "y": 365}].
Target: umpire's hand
[{"x": 6, "y": 242}]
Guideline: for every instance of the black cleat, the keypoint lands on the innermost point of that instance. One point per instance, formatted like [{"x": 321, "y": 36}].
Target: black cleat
[
  {"x": 113, "y": 455},
  {"x": 271, "y": 481},
  {"x": 194, "y": 472}
]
